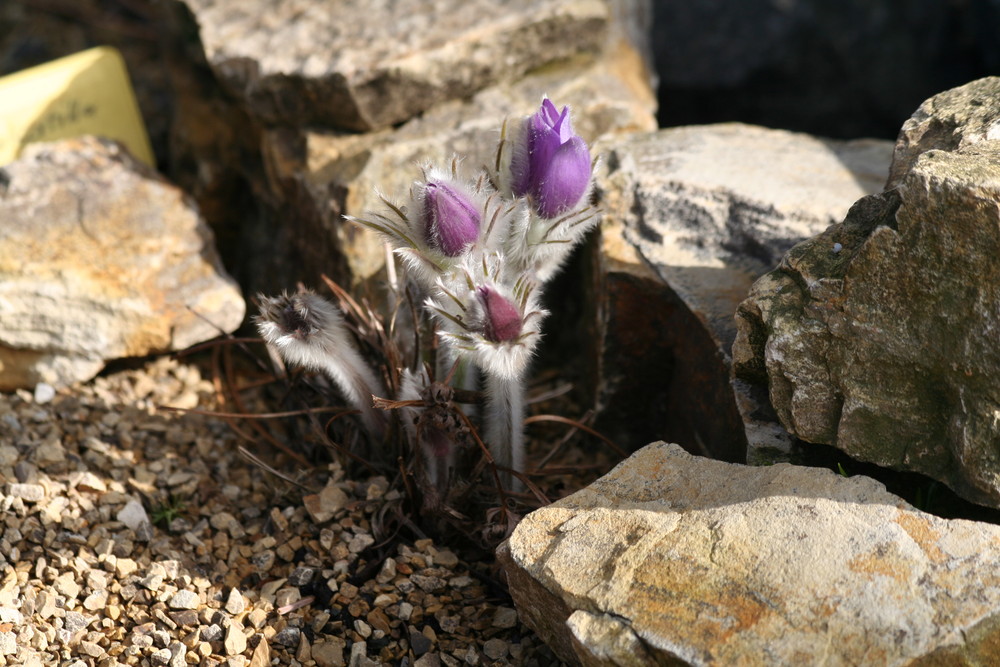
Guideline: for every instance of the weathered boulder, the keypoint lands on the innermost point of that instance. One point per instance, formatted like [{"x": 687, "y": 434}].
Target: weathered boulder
[
  {"x": 694, "y": 216},
  {"x": 958, "y": 118},
  {"x": 100, "y": 259},
  {"x": 879, "y": 336},
  {"x": 677, "y": 559},
  {"x": 363, "y": 65}
]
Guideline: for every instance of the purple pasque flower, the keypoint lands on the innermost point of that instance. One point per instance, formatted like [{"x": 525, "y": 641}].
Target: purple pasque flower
[
  {"x": 551, "y": 164},
  {"x": 501, "y": 319},
  {"x": 451, "y": 219},
  {"x": 481, "y": 315}
]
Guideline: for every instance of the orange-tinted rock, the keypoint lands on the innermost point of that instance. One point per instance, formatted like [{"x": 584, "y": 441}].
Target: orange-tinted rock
[
  {"x": 677, "y": 559},
  {"x": 100, "y": 258}
]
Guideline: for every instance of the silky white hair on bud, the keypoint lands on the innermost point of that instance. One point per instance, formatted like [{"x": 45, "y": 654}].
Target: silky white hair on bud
[
  {"x": 460, "y": 315},
  {"x": 307, "y": 330}
]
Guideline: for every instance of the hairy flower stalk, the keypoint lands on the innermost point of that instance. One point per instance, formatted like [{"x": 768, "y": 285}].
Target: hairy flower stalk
[
  {"x": 498, "y": 330},
  {"x": 502, "y": 323},
  {"x": 307, "y": 330},
  {"x": 504, "y": 426}
]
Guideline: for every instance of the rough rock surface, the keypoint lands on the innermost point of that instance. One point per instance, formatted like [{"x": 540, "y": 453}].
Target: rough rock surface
[
  {"x": 879, "y": 336},
  {"x": 100, "y": 259},
  {"x": 958, "y": 118},
  {"x": 676, "y": 559},
  {"x": 694, "y": 216},
  {"x": 363, "y": 65}
]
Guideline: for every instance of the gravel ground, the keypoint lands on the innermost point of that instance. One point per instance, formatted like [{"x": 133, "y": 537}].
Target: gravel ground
[{"x": 136, "y": 536}]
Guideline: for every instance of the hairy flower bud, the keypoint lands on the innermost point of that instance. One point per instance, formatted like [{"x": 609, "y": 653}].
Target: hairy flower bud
[
  {"x": 501, "y": 318},
  {"x": 451, "y": 220},
  {"x": 551, "y": 163}
]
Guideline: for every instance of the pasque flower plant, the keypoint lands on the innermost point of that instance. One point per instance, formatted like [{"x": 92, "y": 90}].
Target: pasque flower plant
[{"x": 478, "y": 252}]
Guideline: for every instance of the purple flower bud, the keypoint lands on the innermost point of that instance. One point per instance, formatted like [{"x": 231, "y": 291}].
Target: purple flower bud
[
  {"x": 451, "y": 220},
  {"x": 501, "y": 319},
  {"x": 552, "y": 164}
]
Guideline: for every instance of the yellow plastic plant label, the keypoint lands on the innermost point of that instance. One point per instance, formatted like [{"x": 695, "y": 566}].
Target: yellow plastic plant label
[{"x": 85, "y": 93}]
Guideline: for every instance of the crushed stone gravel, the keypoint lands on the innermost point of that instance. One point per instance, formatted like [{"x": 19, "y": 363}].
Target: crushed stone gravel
[{"x": 131, "y": 535}]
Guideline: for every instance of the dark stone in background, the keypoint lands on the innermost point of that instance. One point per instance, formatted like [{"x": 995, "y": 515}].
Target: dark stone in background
[{"x": 835, "y": 68}]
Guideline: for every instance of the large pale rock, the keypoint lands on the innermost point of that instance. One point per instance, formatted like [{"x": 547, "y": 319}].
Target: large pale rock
[
  {"x": 100, "y": 259},
  {"x": 887, "y": 348},
  {"x": 694, "y": 216},
  {"x": 337, "y": 173},
  {"x": 676, "y": 559},
  {"x": 363, "y": 64}
]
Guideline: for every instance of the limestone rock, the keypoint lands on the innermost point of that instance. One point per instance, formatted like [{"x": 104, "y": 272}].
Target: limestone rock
[
  {"x": 879, "y": 336},
  {"x": 338, "y": 173},
  {"x": 694, "y": 216},
  {"x": 363, "y": 65},
  {"x": 676, "y": 559},
  {"x": 955, "y": 119},
  {"x": 100, "y": 259}
]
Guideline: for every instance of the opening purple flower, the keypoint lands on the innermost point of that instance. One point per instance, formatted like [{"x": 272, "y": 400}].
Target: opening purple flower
[
  {"x": 552, "y": 164},
  {"x": 501, "y": 318},
  {"x": 451, "y": 219}
]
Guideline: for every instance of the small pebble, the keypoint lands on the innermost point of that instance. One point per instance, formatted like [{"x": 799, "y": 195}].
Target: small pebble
[
  {"x": 329, "y": 652},
  {"x": 495, "y": 649},
  {"x": 419, "y": 643},
  {"x": 96, "y": 601},
  {"x": 301, "y": 576},
  {"x": 264, "y": 561},
  {"x": 428, "y": 660},
  {"x": 184, "y": 600},
  {"x": 160, "y": 657},
  {"x": 504, "y": 617},
  {"x": 31, "y": 493},
  {"x": 178, "y": 655},
  {"x": 133, "y": 515},
  {"x": 44, "y": 392},
  {"x": 8, "y": 643},
  {"x": 11, "y": 615},
  {"x": 235, "y": 603},
  {"x": 362, "y": 628},
  {"x": 235, "y": 641},
  {"x": 288, "y": 637}
]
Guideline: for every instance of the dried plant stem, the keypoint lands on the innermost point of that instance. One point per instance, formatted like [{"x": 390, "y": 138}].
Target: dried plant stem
[{"x": 504, "y": 425}]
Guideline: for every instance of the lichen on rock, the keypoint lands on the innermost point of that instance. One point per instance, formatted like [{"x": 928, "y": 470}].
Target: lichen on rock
[{"x": 879, "y": 336}]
